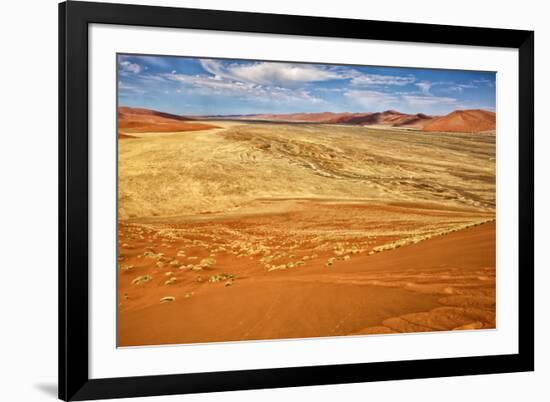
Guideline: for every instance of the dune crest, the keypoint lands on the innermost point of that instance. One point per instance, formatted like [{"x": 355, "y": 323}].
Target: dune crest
[
  {"x": 466, "y": 121},
  {"x": 140, "y": 120}
]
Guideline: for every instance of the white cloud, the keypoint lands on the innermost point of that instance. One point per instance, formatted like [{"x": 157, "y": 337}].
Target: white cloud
[
  {"x": 329, "y": 90},
  {"x": 424, "y": 87},
  {"x": 484, "y": 81},
  {"x": 460, "y": 87},
  {"x": 269, "y": 73},
  {"x": 372, "y": 100},
  {"x": 217, "y": 85},
  {"x": 402, "y": 101},
  {"x": 127, "y": 88},
  {"x": 289, "y": 74},
  {"x": 130, "y": 67},
  {"x": 375, "y": 79},
  {"x": 425, "y": 100}
]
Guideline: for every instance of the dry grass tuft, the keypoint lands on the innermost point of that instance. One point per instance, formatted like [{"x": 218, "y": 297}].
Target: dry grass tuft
[
  {"x": 221, "y": 277},
  {"x": 142, "y": 279},
  {"x": 170, "y": 281},
  {"x": 167, "y": 299}
]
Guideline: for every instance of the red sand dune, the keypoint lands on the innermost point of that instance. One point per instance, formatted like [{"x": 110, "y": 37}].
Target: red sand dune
[
  {"x": 444, "y": 283},
  {"x": 139, "y": 120},
  {"x": 125, "y": 112},
  {"x": 122, "y": 136},
  {"x": 465, "y": 121},
  {"x": 390, "y": 118},
  {"x": 387, "y": 118}
]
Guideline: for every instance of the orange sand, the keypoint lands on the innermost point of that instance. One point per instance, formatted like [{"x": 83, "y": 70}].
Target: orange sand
[{"x": 443, "y": 283}]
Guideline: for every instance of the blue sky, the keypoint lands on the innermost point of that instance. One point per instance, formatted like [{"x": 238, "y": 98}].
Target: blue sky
[{"x": 194, "y": 86}]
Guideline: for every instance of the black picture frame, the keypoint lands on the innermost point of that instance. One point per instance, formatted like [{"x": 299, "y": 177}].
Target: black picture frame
[{"x": 74, "y": 19}]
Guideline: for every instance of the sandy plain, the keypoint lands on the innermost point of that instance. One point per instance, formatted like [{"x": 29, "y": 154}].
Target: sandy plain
[{"x": 255, "y": 231}]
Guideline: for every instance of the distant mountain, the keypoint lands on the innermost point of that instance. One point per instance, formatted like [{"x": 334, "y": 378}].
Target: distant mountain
[
  {"x": 465, "y": 121},
  {"x": 390, "y": 118},
  {"x": 133, "y": 120},
  {"x": 387, "y": 118}
]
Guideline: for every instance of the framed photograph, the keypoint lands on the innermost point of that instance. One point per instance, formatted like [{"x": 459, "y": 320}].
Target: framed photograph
[{"x": 258, "y": 201}]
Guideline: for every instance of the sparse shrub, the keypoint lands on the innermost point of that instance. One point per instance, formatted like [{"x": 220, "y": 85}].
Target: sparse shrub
[
  {"x": 154, "y": 256},
  {"x": 142, "y": 279},
  {"x": 207, "y": 262},
  {"x": 167, "y": 299},
  {"x": 221, "y": 277}
]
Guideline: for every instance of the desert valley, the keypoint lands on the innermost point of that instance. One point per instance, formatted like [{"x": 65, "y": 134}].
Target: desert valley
[{"x": 306, "y": 225}]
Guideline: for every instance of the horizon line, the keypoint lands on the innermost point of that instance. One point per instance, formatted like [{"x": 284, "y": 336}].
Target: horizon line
[{"x": 305, "y": 113}]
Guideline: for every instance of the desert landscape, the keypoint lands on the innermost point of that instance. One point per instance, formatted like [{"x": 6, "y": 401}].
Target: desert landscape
[{"x": 276, "y": 226}]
